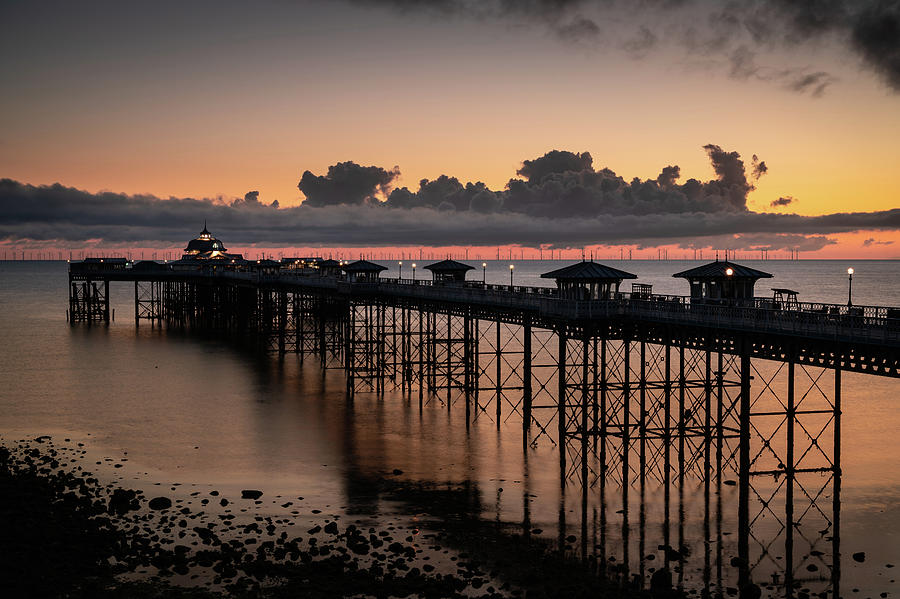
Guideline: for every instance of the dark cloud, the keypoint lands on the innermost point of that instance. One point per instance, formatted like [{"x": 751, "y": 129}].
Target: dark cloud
[
  {"x": 669, "y": 176},
  {"x": 783, "y": 201},
  {"x": 876, "y": 36},
  {"x": 759, "y": 168},
  {"x": 560, "y": 207},
  {"x": 251, "y": 200},
  {"x": 732, "y": 33},
  {"x": 872, "y": 241},
  {"x": 813, "y": 83},
  {"x": 643, "y": 41},
  {"x": 347, "y": 183},
  {"x": 730, "y": 169},
  {"x": 772, "y": 242},
  {"x": 555, "y": 162},
  {"x": 443, "y": 190},
  {"x": 578, "y": 29}
]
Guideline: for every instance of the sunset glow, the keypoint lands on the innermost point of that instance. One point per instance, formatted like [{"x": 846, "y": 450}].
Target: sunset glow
[{"x": 252, "y": 100}]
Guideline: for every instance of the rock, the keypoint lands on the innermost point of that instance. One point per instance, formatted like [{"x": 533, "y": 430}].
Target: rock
[
  {"x": 661, "y": 581},
  {"x": 160, "y": 503},
  {"x": 860, "y": 556},
  {"x": 251, "y": 494},
  {"x": 122, "y": 501},
  {"x": 751, "y": 591}
]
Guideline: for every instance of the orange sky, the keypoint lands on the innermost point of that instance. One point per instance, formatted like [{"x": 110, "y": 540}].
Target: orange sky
[{"x": 254, "y": 103}]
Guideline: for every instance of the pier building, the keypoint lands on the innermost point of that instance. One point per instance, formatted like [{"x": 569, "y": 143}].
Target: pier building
[
  {"x": 722, "y": 281},
  {"x": 448, "y": 271},
  {"x": 588, "y": 281}
]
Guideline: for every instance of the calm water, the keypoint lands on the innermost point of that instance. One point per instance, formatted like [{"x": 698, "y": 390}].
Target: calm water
[{"x": 204, "y": 412}]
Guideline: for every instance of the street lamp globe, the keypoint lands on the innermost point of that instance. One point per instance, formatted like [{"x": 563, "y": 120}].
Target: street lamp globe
[{"x": 850, "y": 287}]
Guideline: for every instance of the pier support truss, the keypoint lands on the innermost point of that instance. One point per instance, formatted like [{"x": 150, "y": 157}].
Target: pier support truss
[
  {"x": 148, "y": 302},
  {"x": 88, "y": 301},
  {"x": 765, "y": 433}
]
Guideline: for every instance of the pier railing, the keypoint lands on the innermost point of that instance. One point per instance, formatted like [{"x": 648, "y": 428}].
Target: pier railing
[
  {"x": 839, "y": 322},
  {"x": 873, "y": 324}
]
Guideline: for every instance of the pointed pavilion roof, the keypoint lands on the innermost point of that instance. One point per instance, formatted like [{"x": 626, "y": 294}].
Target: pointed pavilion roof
[
  {"x": 588, "y": 271},
  {"x": 719, "y": 269},
  {"x": 449, "y": 266},
  {"x": 205, "y": 242},
  {"x": 363, "y": 266}
]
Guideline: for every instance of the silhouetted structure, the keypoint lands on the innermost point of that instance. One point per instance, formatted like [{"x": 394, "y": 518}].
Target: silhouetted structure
[
  {"x": 588, "y": 281},
  {"x": 363, "y": 271},
  {"x": 300, "y": 263},
  {"x": 448, "y": 271},
  {"x": 784, "y": 299},
  {"x": 264, "y": 266},
  {"x": 207, "y": 247},
  {"x": 99, "y": 264},
  {"x": 722, "y": 281},
  {"x": 330, "y": 268}
]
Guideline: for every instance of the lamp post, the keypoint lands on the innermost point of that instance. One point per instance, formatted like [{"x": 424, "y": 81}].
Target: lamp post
[
  {"x": 511, "y": 268},
  {"x": 483, "y": 273},
  {"x": 400, "y": 276},
  {"x": 414, "y": 272},
  {"x": 850, "y": 287}
]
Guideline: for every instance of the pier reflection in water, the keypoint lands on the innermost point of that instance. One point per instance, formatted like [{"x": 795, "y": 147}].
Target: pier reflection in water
[
  {"x": 769, "y": 516},
  {"x": 654, "y": 488},
  {"x": 709, "y": 469}
]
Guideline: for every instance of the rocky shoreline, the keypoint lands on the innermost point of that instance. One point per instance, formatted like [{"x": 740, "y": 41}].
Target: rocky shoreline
[{"x": 67, "y": 534}]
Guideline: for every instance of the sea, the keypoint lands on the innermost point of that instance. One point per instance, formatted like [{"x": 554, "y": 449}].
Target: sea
[{"x": 159, "y": 407}]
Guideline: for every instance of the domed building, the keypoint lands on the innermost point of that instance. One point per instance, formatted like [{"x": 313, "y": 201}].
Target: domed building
[{"x": 207, "y": 247}]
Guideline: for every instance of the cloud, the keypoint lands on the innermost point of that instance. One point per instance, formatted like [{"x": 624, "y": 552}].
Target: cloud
[
  {"x": 347, "y": 183},
  {"x": 731, "y": 33},
  {"x": 814, "y": 83},
  {"x": 872, "y": 241},
  {"x": 783, "y": 201},
  {"x": 554, "y": 206},
  {"x": 251, "y": 200},
  {"x": 554, "y": 162},
  {"x": 759, "y": 168},
  {"x": 668, "y": 176},
  {"x": 643, "y": 41},
  {"x": 876, "y": 37}
]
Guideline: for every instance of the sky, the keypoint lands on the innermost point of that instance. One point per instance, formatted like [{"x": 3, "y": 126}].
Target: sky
[{"x": 675, "y": 124}]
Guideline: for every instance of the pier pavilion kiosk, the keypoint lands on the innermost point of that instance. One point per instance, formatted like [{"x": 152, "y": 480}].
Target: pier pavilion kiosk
[
  {"x": 722, "y": 282},
  {"x": 588, "y": 281},
  {"x": 363, "y": 271},
  {"x": 329, "y": 268},
  {"x": 448, "y": 271},
  {"x": 207, "y": 247}
]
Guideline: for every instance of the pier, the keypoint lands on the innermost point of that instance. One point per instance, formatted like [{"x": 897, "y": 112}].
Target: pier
[{"x": 629, "y": 386}]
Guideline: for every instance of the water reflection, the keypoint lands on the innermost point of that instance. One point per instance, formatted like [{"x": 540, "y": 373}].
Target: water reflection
[
  {"x": 655, "y": 509},
  {"x": 660, "y": 511}
]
